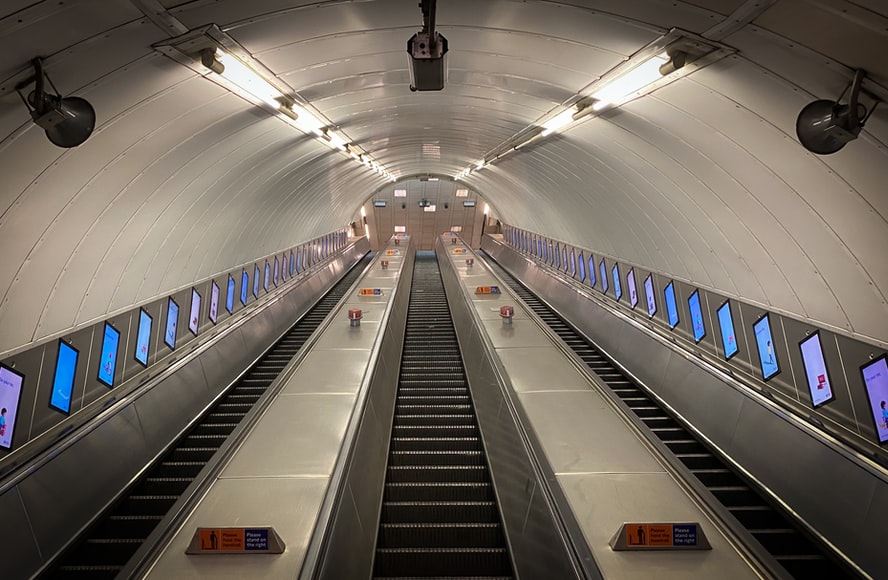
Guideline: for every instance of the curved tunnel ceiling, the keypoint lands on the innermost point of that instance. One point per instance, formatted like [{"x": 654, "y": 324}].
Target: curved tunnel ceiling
[{"x": 703, "y": 179}]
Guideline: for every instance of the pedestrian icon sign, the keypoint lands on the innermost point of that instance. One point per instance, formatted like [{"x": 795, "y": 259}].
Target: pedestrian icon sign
[
  {"x": 660, "y": 536},
  {"x": 236, "y": 540}
]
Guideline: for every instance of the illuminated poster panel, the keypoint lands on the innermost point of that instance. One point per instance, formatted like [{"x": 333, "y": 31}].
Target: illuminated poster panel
[
  {"x": 591, "y": 270},
  {"x": 633, "y": 292},
  {"x": 581, "y": 262},
  {"x": 875, "y": 379},
  {"x": 765, "y": 343},
  {"x": 649, "y": 294},
  {"x": 63, "y": 379},
  {"x": 214, "y": 303},
  {"x": 292, "y": 263},
  {"x": 726, "y": 326},
  {"x": 108, "y": 356},
  {"x": 816, "y": 373},
  {"x": 143, "y": 338},
  {"x": 194, "y": 313},
  {"x": 671, "y": 306},
  {"x": 277, "y": 272},
  {"x": 10, "y": 395},
  {"x": 172, "y": 324},
  {"x": 696, "y": 316},
  {"x": 245, "y": 284},
  {"x": 267, "y": 276},
  {"x": 229, "y": 298},
  {"x": 602, "y": 269},
  {"x": 618, "y": 290},
  {"x": 256, "y": 275}
]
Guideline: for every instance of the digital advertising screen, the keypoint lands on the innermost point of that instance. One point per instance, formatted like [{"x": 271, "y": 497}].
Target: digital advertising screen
[
  {"x": 299, "y": 260},
  {"x": 602, "y": 269},
  {"x": 649, "y": 294},
  {"x": 143, "y": 338},
  {"x": 214, "y": 303},
  {"x": 292, "y": 263},
  {"x": 591, "y": 270},
  {"x": 765, "y": 344},
  {"x": 172, "y": 325},
  {"x": 875, "y": 379},
  {"x": 10, "y": 395},
  {"x": 573, "y": 263},
  {"x": 816, "y": 373},
  {"x": 564, "y": 258},
  {"x": 229, "y": 298},
  {"x": 277, "y": 272},
  {"x": 63, "y": 379},
  {"x": 633, "y": 292},
  {"x": 284, "y": 268},
  {"x": 618, "y": 290},
  {"x": 108, "y": 356},
  {"x": 545, "y": 254},
  {"x": 256, "y": 281},
  {"x": 726, "y": 326},
  {"x": 582, "y": 265},
  {"x": 696, "y": 316},
  {"x": 194, "y": 313},
  {"x": 671, "y": 306},
  {"x": 558, "y": 256},
  {"x": 267, "y": 276},
  {"x": 245, "y": 284}
]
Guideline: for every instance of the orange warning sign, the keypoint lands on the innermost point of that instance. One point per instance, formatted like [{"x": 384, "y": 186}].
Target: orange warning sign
[
  {"x": 459, "y": 251},
  {"x": 210, "y": 539},
  {"x": 655, "y": 535},
  {"x": 233, "y": 540}
]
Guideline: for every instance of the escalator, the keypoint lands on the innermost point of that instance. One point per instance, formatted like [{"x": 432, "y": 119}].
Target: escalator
[
  {"x": 439, "y": 515},
  {"x": 800, "y": 554},
  {"x": 104, "y": 549}
]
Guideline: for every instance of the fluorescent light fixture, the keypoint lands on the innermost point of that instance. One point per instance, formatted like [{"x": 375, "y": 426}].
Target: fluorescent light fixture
[
  {"x": 430, "y": 208},
  {"x": 248, "y": 80},
  {"x": 335, "y": 140},
  {"x": 456, "y": 229},
  {"x": 400, "y": 229},
  {"x": 486, "y": 209},
  {"x": 560, "y": 120},
  {"x": 400, "y": 193},
  {"x": 634, "y": 80},
  {"x": 433, "y": 179},
  {"x": 462, "y": 193},
  {"x": 480, "y": 164},
  {"x": 363, "y": 212}
]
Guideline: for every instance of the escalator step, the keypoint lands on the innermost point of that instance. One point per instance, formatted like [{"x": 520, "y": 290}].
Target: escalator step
[
  {"x": 436, "y": 444},
  {"x": 434, "y": 430},
  {"x": 153, "y": 485},
  {"x": 453, "y": 535},
  {"x": 735, "y": 495},
  {"x": 433, "y": 419},
  {"x": 782, "y": 541},
  {"x": 437, "y": 473},
  {"x": 440, "y": 511},
  {"x": 443, "y": 491},
  {"x": 446, "y": 457},
  {"x": 118, "y": 526},
  {"x": 106, "y": 551},
  {"x": 443, "y": 561}
]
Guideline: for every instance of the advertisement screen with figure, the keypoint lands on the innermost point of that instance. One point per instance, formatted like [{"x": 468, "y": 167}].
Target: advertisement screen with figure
[
  {"x": 172, "y": 325},
  {"x": 633, "y": 292},
  {"x": 267, "y": 276},
  {"x": 875, "y": 379},
  {"x": 277, "y": 272},
  {"x": 214, "y": 303},
  {"x": 292, "y": 263},
  {"x": 143, "y": 338},
  {"x": 63, "y": 380},
  {"x": 10, "y": 394},
  {"x": 581, "y": 267},
  {"x": 602, "y": 269},
  {"x": 696, "y": 316},
  {"x": 194, "y": 313},
  {"x": 816, "y": 373},
  {"x": 726, "y": 325},
  {"x": 767, "y": 352},
  {"x": 256, "y": 281},
  {"x": 245, "y": 285},
  {"x": 671, "y": 306},
  {"x": 591, "y": 270},
  {"x": 649, "y": 294},
  {"x": 108, "y": 358}
]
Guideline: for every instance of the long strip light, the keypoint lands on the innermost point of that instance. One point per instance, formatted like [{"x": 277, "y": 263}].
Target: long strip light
[
  {"x": 650, "y": 68},
  {"x": 241, "y": 79}
]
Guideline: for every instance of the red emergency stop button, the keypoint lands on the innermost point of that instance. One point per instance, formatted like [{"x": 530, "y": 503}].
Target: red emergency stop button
[
  {"x": 354, "y": 316},
  {"x": 506, "y": 313}
]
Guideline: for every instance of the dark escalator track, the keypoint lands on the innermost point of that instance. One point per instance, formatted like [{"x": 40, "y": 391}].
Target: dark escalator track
[
  {"x": 801, "y": 555},
  {"x": 107, "y": 546},
  {"x": 439, "y": 514}
]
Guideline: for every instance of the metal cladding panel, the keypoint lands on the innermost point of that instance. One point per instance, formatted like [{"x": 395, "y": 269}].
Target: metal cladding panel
[
  {"x": 836, "y": 497},
  {"x": 169, "y": 406},
  {"x": 18, "y": 551},
  {"x": 223, "y": 362},
  {"x": 68, "y": 491}
]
